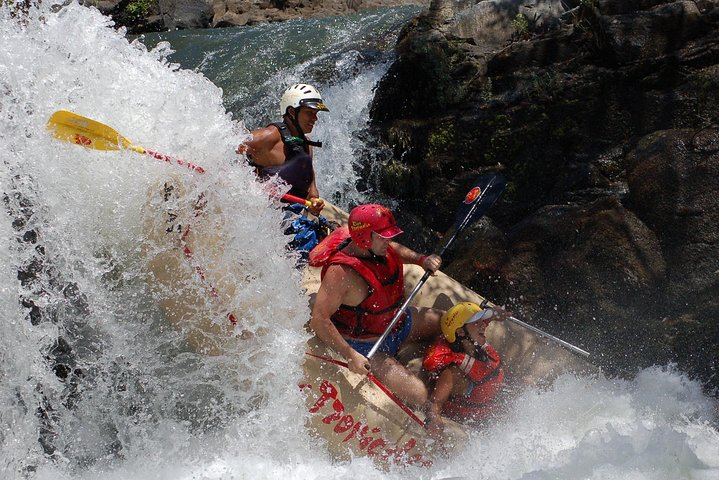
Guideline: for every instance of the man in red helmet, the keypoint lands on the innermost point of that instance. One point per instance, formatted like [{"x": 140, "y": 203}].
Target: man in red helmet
[{"x": 361, "y": 291}]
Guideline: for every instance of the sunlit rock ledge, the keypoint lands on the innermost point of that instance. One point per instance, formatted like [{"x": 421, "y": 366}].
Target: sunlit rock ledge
[{"x": 148, "y": 15}]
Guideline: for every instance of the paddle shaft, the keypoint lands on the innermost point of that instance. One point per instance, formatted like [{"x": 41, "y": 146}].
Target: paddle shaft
[
  {"x": 168, "y": 159},
  {"x": 379, "y": 384},
  {"x": 467, "y": 219},
  {"x": 86, "y": 132},
  {"x": 546, "y": 335},
  {"x": 293, "y": 199},
  {"x": 287, "y": 198},
  {"x": 399, "y": 313},
  {"x": 445, "y": 246}
]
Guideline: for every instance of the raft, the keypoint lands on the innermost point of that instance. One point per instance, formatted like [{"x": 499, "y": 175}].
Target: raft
[
  {"x": 349, "y": 414},
  {"x": 357, "y": 418}
]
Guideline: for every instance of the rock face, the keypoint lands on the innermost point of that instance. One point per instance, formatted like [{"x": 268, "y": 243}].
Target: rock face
[
  {"x": 602, "y": 115},
  {"x": 159, "y": 15},
  {"x": 247, "y": 12}
]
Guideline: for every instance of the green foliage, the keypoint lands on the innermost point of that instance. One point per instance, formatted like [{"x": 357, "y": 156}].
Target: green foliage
[
  {"x": 399, "y": 137},
  {"x": 704, "y": 87},
  {"x": 501, "y": 140},
  {"x": 485, "y": 92},
  {"x": 441, "y": 140},
  {"x": 138, "y": 8},
  {"x": 521, "y": 25},
  {"x": 543, "y": 85},
  {"x": 396, "y": 178},
  {"x": 16, "y": 7}
]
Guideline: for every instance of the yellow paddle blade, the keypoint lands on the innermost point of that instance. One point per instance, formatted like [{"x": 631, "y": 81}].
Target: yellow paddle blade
[{"x": 74, "y": 128}]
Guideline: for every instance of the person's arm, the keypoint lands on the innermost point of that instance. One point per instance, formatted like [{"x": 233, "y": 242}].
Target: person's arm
[
  {"x": 333, "y": 288},
  {"x": 260, "y": 146},
  {"x": 314, "y": 196},
  {"x": 430, "y": 262},
  {"x": 439, "y": 396}
]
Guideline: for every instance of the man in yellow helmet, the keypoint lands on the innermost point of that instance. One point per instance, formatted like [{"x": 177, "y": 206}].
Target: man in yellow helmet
[{"x": 466, "y": 369}]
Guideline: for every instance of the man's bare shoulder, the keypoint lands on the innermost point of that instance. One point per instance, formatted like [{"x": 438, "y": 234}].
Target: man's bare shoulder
[
  {"x": 340, "y": 273},
  {"x": 265, "y": 147},
  {"x": 344, "y": 282},
  {"x": 265, "y": 135},
  {"x": 262, "y": 140},
  {"x": 343, "y": 277}
]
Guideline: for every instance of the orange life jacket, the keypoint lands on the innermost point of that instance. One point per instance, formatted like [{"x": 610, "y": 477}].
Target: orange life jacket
[
  {"x": 384, "y": 277},
  {"x": 486, "y": 377}
]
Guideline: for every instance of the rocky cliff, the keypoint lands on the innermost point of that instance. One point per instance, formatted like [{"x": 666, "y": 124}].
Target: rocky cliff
[
  {"x": 602, "y": 114},
  {"x": 160, "y": 15}
]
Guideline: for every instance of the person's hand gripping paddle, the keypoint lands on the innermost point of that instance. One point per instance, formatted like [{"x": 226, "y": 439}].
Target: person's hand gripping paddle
[{"x": 477, "y": 202}]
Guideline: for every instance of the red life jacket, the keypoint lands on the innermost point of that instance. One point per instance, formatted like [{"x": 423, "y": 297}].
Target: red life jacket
[
  {"x": 384, "y": 277},
  {"x": 486, "y": 378}
]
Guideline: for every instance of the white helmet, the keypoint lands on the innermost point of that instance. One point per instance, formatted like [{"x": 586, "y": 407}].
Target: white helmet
[{"x": 302, "y": 95}]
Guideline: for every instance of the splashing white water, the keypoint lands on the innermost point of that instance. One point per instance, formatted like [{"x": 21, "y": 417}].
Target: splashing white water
[
  {"x": 344, "y": 57},
  {"x": 143, "y": 404}
]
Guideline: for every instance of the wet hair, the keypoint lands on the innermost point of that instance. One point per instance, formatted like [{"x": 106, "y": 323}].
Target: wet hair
[{"x": 458, "y": 347}]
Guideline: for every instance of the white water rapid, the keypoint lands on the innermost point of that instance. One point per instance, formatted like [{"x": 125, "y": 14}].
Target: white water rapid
[{"x": 94, "y": 382}]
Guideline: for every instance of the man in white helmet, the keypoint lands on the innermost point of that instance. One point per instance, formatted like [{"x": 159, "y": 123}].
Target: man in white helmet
[{"x": 283, "y": 149}]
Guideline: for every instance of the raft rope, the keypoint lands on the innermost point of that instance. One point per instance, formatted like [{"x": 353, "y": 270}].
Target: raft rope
[
  {"x": 391, "y": 395},
  {"x": 201, "y": 272}
]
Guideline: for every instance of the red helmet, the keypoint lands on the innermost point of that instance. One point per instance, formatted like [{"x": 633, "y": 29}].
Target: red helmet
[{"x": 369, "y": 218}]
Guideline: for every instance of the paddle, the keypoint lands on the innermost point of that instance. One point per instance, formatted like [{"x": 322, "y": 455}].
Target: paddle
[
  {"x": 89, "y": 133},
  {"x": 292, "y": 199},
  {"x": 74, "y": 128},
  {"x": 546, "y": 335},
  {"x": 478, "y": 200},
  {"x": 379, "y": 384}
]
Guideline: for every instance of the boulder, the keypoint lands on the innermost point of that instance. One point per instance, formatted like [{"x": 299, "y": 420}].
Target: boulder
[
  {"x": 185, "y": 14},
  {"x": 633, "y": 36},
  {"x": 673, "y": 179},
  {"x": 582, "y": 273}
]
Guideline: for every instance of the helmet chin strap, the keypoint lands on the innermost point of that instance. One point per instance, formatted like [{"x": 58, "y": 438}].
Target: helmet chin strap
[
  {"x": 477, "y": 350},
  {"x": 301, "y": 132}
]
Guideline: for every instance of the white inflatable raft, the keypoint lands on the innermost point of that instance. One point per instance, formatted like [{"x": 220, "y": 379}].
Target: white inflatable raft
[{"x": 351, "y": 414}]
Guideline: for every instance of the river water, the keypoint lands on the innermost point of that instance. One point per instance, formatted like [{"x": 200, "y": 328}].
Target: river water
[{"x": 94, "y": 382}]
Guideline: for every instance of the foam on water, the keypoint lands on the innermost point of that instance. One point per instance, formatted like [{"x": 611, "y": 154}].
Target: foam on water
[
  {"x": 143, "y": 404},
  {"x": 344, "y": 57}
]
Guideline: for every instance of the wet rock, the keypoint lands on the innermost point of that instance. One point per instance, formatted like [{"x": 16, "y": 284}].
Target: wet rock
[
  {"x": 583, "y": 272},
  {"x": 140, "y": 16},
  {"x": 185, "y": 14},
  {"x": 601, "y": 120},
  {"x": 632, "y": 36},
  {"x": 49, "y": 298},
  {"x": 673, "y": 179}
]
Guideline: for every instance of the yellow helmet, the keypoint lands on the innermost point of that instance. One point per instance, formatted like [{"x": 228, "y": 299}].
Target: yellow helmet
[{"x": 461, "y": 315}]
